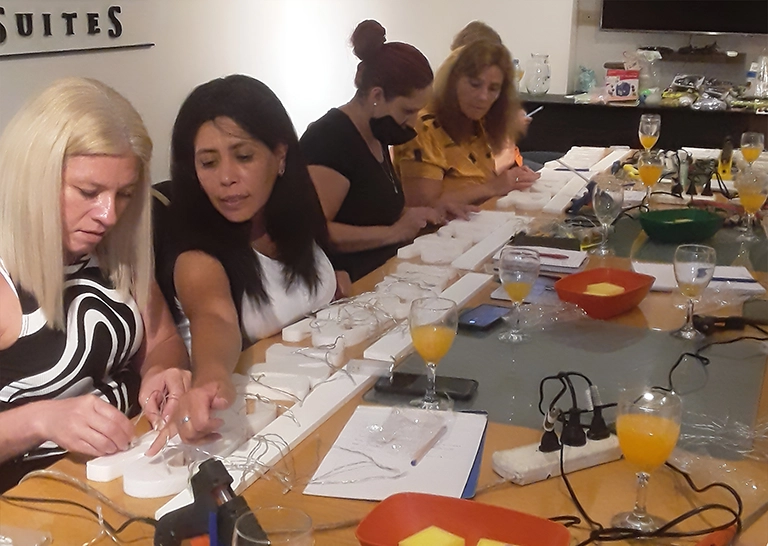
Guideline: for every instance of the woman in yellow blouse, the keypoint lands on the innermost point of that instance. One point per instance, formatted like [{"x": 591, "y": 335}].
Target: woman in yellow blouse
[{"x": 469, "y": 120}]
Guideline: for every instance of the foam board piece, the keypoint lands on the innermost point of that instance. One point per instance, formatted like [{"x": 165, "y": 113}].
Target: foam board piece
[
  {"x": 314, "y": 370},
  {"x": 604, "y": 164},
  {"x": 530, "y": 201},
  {"x": 277, "y": 386},
  {"x": 562, "y": 199},
  {"x": 298, "y": 331},
  {"x": 408, "y": 252},
  {"x": 283, "y": 354},
  {"x": 110, "y": 467},
  {"x": 479, "y": 253},
  {"x": 462, "y": 290}
]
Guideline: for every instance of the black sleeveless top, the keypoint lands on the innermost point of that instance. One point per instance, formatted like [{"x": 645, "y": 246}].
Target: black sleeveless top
[
  {"x": 375, "y": 196},
  {"x": 104, "y": 330}
]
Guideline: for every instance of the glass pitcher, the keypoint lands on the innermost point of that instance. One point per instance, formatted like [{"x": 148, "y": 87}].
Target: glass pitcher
[{"x": 537, "y": 74}]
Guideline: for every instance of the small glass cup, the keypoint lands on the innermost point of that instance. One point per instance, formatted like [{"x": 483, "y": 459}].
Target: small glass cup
[{"x": 279, "y": 526}]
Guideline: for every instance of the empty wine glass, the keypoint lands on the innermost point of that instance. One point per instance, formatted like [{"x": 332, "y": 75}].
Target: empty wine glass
[
  {"x": 518, "y": 270},
  {"x": 649, "y": 130},
  {"x": 648, "y": 425},
  {"x": 607, "y": 200},
  {"x": 752, "y": 146},
  {"x": 694, "y": 266},
  {"x": 649, "y": 167},
  {"x": 432, "y": 322},
  {"x": 753, "y": 192},
  {"x": 273, "y": 526}
]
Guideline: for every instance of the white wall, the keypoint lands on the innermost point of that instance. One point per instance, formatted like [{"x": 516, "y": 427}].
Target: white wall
[{"x": 300, "y": 48}]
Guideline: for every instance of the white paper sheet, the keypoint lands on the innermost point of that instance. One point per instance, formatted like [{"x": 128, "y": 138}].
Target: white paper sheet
[{"x": 665, "y": 278}]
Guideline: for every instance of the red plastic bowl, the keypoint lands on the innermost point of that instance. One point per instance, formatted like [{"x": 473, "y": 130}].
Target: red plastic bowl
[
  {"x": 401, "y": 515},
  {"x": 636, "y": 287}
]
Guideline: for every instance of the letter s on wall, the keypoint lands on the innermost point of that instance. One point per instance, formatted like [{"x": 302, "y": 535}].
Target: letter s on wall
[
  {"x": 117, "y": 31},
  {"x": 3, "y": 32}
]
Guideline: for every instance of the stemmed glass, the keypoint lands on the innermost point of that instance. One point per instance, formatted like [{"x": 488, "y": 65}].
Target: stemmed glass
[
  {"x": 518, "y": 270},
  {"x": 649, "y": 130},
  {"x": 650, "y": 167},
  {"x": 694, "y": 266},
  {"x": 607, "y": 200},
  {"x": 753, "y": 192},
  {"x": 752, "y": 146},
  {"x": 273, "y": 526},
  {"x": 433, "y": 322},
  {"x": 648, "y": 425}
]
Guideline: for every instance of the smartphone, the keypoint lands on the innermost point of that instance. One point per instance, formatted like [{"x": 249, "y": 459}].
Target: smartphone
[
  {"x": 482, "y": 317},
  {"x": 412, "y": 384}
]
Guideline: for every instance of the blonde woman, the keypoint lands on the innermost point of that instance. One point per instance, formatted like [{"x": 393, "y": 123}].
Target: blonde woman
[{"x": 85, "y": 336}]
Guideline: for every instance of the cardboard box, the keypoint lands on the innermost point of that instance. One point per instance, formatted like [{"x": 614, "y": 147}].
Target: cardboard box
[{"x": 621, "y": 84}]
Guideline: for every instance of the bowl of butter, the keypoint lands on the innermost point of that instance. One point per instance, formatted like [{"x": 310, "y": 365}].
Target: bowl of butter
[{"x": 604, "y": 292}]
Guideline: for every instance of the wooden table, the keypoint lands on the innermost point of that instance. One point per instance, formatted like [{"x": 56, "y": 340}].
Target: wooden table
[{"x": 603, "y": 490}]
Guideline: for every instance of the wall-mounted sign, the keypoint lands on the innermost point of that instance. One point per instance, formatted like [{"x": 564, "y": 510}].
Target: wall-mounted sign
[{"x": 50, "y": 27}]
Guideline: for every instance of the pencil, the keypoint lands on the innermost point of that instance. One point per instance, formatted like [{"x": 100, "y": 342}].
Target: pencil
[
  {"x": 553, "y": 256},
  {"x": 423, "y": 450},
  {"x": 529, "y": 114}
]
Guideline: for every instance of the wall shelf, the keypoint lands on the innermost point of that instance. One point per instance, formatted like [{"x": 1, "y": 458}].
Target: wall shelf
[{"x": 715, "y": 58}]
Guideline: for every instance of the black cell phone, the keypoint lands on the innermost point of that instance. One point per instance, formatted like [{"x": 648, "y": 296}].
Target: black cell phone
[
  {"x": 482, "y": 317},
  {"x": 412, "y": 384}
]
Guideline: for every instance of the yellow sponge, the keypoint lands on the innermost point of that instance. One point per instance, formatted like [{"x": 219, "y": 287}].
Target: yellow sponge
[
  {"x": 432, "y": 536},
  {"x": 604, "y": 289},
  {"x": 489, "y": 542}
]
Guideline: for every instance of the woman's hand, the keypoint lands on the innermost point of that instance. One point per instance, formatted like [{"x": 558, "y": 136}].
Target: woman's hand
[
  {"x": 161, "y": 390},
  {"x": 343, "y": 285},
  {"x": 193, "y": 419},
  {"x": 515, "y": 178},
  {"x": 84, "y": 424},
  {"x": 524, "y": 177},
  {"x": 413, "y": 220},
  {"x": 450, "y": 211}
]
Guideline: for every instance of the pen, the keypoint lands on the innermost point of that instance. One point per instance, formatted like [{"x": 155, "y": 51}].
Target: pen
[
  {"x": 553, "y": 256},
  {"x": 734, "y": 279},
  {"x": 423, "y": 450},
  {"x": 530, "y": 114}
]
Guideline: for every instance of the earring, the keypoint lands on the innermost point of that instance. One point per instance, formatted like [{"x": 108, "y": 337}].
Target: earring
[
  {"x": 375, "y": 104},
  {"x": 281, "y": 170}
]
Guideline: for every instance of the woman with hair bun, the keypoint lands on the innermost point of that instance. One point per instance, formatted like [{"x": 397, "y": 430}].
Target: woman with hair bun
[
  {"x": 347, "y": 151},
  {"x": 470, "y": 120}
]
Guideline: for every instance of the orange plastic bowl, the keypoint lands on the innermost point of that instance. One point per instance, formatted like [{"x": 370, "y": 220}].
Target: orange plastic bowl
[
  {"x": 636, "y": 287},
  {"x": 401, "y": 515}
]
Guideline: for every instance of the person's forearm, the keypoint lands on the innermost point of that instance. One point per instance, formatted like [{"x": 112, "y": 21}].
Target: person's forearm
[
  {"x": 349, "y": 238},
  {"x": 216, "y": 347},
  {"x": 19, "y": 431},
  {"x": 170, "y": 353},
  {"x": 467, "y": 193}
]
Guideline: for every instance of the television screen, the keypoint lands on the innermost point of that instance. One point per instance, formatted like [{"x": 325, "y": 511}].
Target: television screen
[{"x": 688, "y": 16}]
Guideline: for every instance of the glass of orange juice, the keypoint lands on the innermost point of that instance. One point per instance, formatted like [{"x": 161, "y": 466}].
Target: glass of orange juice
[
  {"x": 752, "y": 146},
  {"x": 518, "y": 270},
  {"x": 648, "y": 425},
  {"x": 432, "y": 322},
  {"x": 649, "y": 167},
  {"x": 753, "y": 191},
  {"x": 694, "y": 266},
  {"x": 649, "y": 130}
]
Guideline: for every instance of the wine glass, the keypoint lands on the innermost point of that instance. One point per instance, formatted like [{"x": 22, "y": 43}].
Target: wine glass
[
  {"x": 694, "y": 266},
  {"x": 518, "y": 270},
  {"x": 433, "y": 322},
  {"x": 275, "y": 526},
  {"x": 607, "y": 200},
  {"x": 752, "y": 146},
  {"x": 647, "y": 424},
  {"x": 650, "y": 167},
  {"x": 649, "y": 130},
  {"x": 752, "y": 194}
]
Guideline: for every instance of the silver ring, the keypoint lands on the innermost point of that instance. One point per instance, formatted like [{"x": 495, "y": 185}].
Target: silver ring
[{"x": 185, "y": 419}]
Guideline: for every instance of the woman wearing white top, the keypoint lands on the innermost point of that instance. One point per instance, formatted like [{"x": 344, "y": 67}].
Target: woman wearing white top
[{"x": 239, "y": 250}]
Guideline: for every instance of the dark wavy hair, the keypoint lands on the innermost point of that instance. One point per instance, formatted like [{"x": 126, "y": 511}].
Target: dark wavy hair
[
  {"x": 293, "y": 216},
  {"x": 470, "y": 61},
  {"x": 398, "y": 68}
]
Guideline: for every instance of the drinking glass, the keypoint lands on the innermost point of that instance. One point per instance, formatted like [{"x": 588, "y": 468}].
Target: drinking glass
[
  {"x": 694, "y": 266},
  {"x": 518, "y": 270},
  {"x": 752, "y": 146},
  {"x": 650, "y": 167},
  {"x": 277, "y": 526},
  {"x": 647, "y": 424},
  {"x": 753, "y": 192},
  {"x": 649, "y": 130},
  {"x": 433, "y": 322},
  {"x": 607, "y": 200}
]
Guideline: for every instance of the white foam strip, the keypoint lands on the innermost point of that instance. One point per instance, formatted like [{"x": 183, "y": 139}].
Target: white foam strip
[
  {"x": 563, "y": 198},
  {"x": 607, "y": 161},
  {"x": 479, "y": 253},
  {"x": 321, "y": 403},
  {"x": 298, "y": 331},
  {"x": 462, "y": 290}
]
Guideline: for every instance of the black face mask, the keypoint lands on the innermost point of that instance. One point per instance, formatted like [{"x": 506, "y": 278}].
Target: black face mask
[{"x": 389, "y": 132}]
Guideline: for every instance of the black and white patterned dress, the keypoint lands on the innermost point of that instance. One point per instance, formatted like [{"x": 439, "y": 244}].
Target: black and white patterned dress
[{"x": 104, "y": 330}]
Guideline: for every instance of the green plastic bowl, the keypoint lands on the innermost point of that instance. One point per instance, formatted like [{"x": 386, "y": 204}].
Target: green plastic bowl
[{"x": 680, "y": 225}]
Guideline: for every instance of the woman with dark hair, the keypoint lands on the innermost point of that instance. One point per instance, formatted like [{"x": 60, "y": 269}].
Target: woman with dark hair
[
  {"x": 348, "y": 154},
  {"x": 242, "y": 254},
  {"x": 470, "y": 119}
]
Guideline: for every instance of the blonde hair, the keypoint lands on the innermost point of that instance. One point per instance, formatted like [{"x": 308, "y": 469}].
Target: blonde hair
[{"x": 72, "y": 117}]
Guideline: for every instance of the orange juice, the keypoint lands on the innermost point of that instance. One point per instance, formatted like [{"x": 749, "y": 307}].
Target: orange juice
[
  {"x": 750, "y": 153},
  {"x": 646, "y": 440},
  {"x": 752, "y": 202},
  {"x": 648, "y": 141},
  {"x": 432, "y": 341},
  {"x": 517, "y": 290},
  {"x": 649, "y": 174},
  {"x": 690, "y": 290}
]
